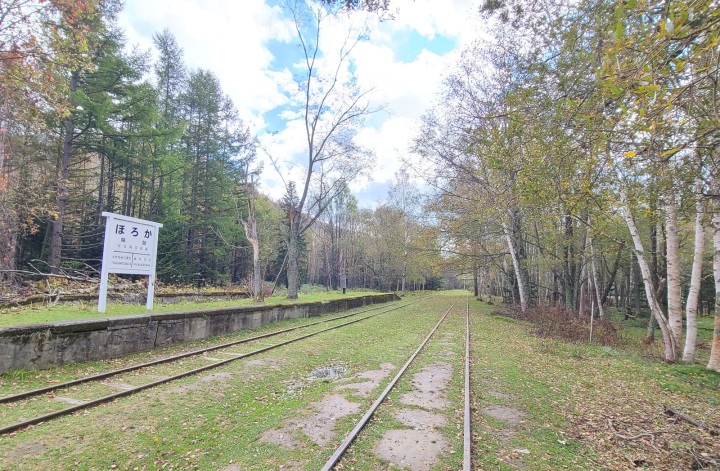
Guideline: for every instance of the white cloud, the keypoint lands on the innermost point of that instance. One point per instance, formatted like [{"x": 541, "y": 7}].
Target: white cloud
[
  {"x": 231, "y": 39},
  {"x": 224, "y": 36}
]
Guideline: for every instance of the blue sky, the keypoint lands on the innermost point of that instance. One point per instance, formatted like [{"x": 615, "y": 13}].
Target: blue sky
[{"x": 251, "y": 46}]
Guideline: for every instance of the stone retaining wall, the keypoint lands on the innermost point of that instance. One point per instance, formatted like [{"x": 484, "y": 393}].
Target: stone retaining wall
[
  {"x": 40, "y": 346},
  {"x": 125, "y": 297}
]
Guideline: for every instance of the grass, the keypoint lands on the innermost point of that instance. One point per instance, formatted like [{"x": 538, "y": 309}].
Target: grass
[
  {"x": 217, "y": 421},
  {"x": 571, "y": 394},
  {"x": 564, "y": 397},
  {"x": 35, "y": 314}
]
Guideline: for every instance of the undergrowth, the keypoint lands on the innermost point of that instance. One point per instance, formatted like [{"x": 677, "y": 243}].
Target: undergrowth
[{"x": 561, "y": 323}]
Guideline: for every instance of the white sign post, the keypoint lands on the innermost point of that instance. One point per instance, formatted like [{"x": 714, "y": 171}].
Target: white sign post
[{"x": 130, "y": 248}]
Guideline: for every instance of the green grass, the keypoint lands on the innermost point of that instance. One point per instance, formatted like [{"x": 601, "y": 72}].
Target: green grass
[
  {"x": 216, "y": 422},
  {"x": 569, "y": 391},
  {"x": 39, "y": 313},
  {"x": 565, "y": 392}
]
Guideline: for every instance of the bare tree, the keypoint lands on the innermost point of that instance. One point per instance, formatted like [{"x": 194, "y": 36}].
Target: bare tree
[
  {"x": 333, "y": 106},
  {"x": 249, "y": 224}
]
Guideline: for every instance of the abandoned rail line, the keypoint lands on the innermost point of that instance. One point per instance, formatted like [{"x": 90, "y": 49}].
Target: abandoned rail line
[
  {"x": 364, "y": 422},
  {"x": 127, "y": 391}
]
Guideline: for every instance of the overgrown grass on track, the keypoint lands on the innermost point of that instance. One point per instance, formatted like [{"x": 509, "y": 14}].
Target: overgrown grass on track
[
  {"x": 566, "y": 406},
  {"x": 217, "y": 420}
]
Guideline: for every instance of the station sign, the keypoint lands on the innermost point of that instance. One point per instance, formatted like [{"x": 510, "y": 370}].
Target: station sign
[{"x": 130, "y": 248}]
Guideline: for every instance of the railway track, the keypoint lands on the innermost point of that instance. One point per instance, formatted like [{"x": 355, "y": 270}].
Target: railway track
[
  {"x": 146, "y": 368},
  {"x": 363, "y": 423}
]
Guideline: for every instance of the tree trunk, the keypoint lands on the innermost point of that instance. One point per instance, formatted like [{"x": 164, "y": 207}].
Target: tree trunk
[
  {"x": 293, "y": 268},
  {"x": 476, "y": 288},
  {"x": 694, "y": 292},
  {"x": 56, "y": 235},
  {"x": 8, "y": 216},
  {"x": 613, "y": 274},
  {"x": 258, "y": 295},
  {"x": 598, "y": 296},
  {"x": 714, "y": 363},
  {"x": 250, "y": 227},
  {"x": 674, "y": 296},
  {"x": 568, "y": 264},
  {"x": 517, "y": 265},
  {"x": 655, "y": 309}
]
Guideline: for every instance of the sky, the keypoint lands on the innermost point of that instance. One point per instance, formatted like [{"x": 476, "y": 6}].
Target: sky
[{"x": 252, "y": 47}]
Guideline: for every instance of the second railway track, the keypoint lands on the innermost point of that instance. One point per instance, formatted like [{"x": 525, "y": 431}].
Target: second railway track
[{"x": 127, "y": 390}]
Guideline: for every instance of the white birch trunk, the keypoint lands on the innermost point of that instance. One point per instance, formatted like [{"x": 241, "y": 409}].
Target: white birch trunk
[
  {"x": 714, "y": 363},
  {"x": 516, "y": 266},
  {"x": 655, "y": 309},
  {"x": 691, "y": 306},
  {"x": 598, "y": 295},
  {"x": 674, "y": 295}
]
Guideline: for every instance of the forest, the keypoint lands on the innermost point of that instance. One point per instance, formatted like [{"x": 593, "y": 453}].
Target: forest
[
  {"x": 90, "y": 126},
  {"x": 571, "y": 161}
]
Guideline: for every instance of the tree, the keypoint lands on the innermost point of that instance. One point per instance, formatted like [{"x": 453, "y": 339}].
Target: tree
[
  {"x": 332, "y": 106},
  {"x": 30, "y": 56},
  {"x": 249, "y": 224},
  {"x": 214, "y": 142},
  {"x": 405, "y": 198},
  {"x": 691, "y": 305},
  {"x": 78, "y": 54}
]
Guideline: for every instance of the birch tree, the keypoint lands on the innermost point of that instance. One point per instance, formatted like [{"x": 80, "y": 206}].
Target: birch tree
[
  {"x": 714, "y": 362},
  {"x": 671, "y": 349},
  {"x": 691, "y": 305},
  {"x": 332, "y": 105}
]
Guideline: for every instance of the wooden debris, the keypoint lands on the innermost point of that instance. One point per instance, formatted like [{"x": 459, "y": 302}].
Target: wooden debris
[{"x": 700, "y": 424}]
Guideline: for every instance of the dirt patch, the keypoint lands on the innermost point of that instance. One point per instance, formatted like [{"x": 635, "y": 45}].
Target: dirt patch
[
  {"x": 120, "y": 386},
  {"x": 429, "y": 384},
  {"x": 377, "y": 375},
  {"x": 318, "y": 427},
  {"x": 420, "y": 419},
  {"x": 26, "y": 449},
  {"x": 265, "y": 362},
  {"x": 374, "y": 377},
  {"x": 361, "y": 389},
  {"x": 413, "y": 449},
  {"x": 499, "y": 395},
  {"x": 282, "y": 438},
  {"x": 419, "y": 448},
  {"x": 508, "y": 415}
]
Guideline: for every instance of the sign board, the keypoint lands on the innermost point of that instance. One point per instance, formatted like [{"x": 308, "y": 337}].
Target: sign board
[
  {"x": 343, "y": 282},
  {"x": 130, "y": 248}
]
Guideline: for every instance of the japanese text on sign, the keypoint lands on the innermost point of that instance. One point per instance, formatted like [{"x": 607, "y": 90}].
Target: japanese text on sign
[{"x": 131, "y": 246}]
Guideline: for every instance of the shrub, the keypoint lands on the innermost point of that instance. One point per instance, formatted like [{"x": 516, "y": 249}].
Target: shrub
[{"x": 562, "y": 323}]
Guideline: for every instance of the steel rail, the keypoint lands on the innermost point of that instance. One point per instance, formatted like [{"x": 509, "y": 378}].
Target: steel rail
[
  {"x": 105, "y": 399},
  {"x": 467, "y": 437},
  {"x": 366, "y": 418},
  {"x": 108, "y": 374}
]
